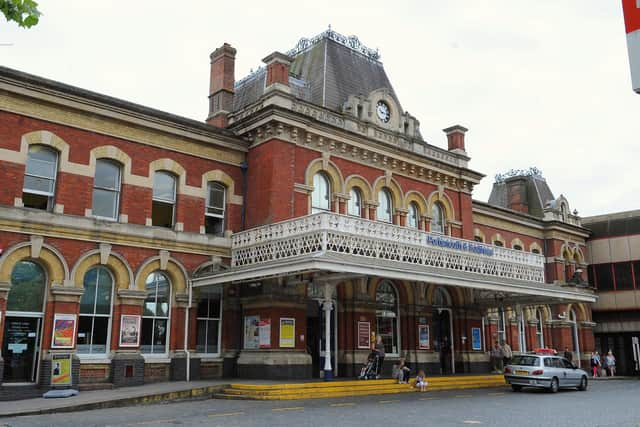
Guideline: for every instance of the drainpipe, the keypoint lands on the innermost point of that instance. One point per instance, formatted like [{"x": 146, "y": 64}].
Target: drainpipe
[
  {"x": 186, "y": 332},
  {"x": 243, "y": 167}
]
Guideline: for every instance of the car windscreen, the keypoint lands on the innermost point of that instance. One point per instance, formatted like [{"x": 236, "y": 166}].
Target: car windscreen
[{"x": 525, "y": 360}]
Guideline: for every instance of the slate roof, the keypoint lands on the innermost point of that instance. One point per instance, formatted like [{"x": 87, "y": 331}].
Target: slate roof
[
  {"x": 613, "y": 225},
  {"x": 538, "y": 194},
  {"x": 326, "y": 74}
]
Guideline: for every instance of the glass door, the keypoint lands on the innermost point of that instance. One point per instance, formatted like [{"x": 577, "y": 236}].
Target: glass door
[{"x": 20, "y": 348}]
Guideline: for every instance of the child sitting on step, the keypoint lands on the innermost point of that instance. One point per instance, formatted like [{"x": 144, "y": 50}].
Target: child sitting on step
[{"x": 421, "y": 381}]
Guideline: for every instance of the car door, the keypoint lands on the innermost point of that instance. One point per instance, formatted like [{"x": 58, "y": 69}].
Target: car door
[
  {"x": 574, "y": 375},
  {"x": 561, "y": 372}
]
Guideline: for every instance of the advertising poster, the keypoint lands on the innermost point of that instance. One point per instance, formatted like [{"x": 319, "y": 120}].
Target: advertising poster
[
  {"x": 252, "y": 332},
  {"x": 129, "y": 330},
  {"x": 61, "y": 369},
  {"x": 64, "y": 330},
  {"x": 287, "y": 333},
  {"x": 265, "y": 333},
  {"x": 423, "y": 337},
  {"x": 476, "y": 339},
  {"x": 364, "y": 333}
]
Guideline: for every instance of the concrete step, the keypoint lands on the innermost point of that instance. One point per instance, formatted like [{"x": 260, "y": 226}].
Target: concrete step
[{"x": 328, "y": 389}]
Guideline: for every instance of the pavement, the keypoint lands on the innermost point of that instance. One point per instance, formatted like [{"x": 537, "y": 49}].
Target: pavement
[{"x": 141, "y": 395}]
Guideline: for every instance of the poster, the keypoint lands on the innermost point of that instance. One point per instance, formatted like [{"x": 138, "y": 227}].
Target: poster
[
  {"x": 423, "y": 337},
  {"x": 364, "y": 334},
  {"x": 476, "y": 340},
  {"x": 61, "y": 369},
  {"x": 129, "y": 330},
  {"x": 64, "y": 330},
  {"x": 287, "y": 332},
  {"x": 265, "y": 333},
  {"x": 252, "y": 332}
]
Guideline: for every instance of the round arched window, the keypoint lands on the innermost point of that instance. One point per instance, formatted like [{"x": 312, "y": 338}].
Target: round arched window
[
  {"x": 437, "y": 218},
  {"x": 95, "y": 311},
  {"x": 155, "y": 316},
  {"x": 28, "y": 284},
  {"x": 320, "y": 198},
  {"x": 412, "y": 215},
  {"x": 354, "y": 206},
  {"x": 385, "y": 206}
]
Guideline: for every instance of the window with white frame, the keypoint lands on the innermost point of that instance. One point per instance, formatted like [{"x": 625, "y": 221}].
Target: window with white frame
[
  {"x": 354, "y": 206},
  {"x": 321, "y": 195},
  {"x": 208, "y": 328},
  {"x": 106, "y": 189},
  {"x": 95, "y": 312},
  {"x": 437, "y": 218},
  {"x": 164, "y": 199},
  {"x": 387, "y": 316},
  {"x": 385, "y": 206},
  {"x": 413, "y": 217},
  {"x": 214, "y": 215},
  {"x": 155, "y": 314},
  {"x": 539, "y": 330},
  {"x": 40, "y": 174}
]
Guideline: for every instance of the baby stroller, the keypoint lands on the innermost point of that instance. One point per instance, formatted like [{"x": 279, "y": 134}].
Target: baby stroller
[{"x": 370, "y": 369}]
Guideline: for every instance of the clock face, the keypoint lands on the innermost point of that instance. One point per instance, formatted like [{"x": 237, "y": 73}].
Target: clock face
[{"x": 383, "y": 112}]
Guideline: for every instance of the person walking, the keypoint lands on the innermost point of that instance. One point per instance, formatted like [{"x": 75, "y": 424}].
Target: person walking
[
  {"x": 496, "y": 356},
  {"x": 507, "y": 354},
  {"x": 445, "y": 355},
  {"x": 568, "y": 354},
  {"x": 595, "y": 363},
  {"x": 611, "y": 363}
]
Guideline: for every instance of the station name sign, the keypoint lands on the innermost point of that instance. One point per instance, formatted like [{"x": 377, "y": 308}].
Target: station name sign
[{"x": 460, "y": 245}]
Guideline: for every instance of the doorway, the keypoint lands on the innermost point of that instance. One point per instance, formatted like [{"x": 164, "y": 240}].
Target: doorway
[
  {"x": 20, "y": 349},
  {"x": 443, "y": 340}
]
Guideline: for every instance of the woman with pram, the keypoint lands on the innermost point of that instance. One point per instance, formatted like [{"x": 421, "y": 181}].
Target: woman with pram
[{"x": 373, "y": 367}]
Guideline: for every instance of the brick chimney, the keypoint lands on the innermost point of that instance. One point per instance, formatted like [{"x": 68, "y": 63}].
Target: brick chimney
[
  {"x": 517, "y": 198},
  {"x": 277, "y": 68},
  {"x": 221, "y": 85},
  {"x": 455, "y": 137}
]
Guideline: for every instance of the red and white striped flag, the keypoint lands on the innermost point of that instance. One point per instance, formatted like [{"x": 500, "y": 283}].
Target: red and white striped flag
[{"x": 631, "y": 10}]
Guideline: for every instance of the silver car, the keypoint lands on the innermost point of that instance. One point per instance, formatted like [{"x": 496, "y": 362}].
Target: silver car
[{"x": 544, "y": 371}]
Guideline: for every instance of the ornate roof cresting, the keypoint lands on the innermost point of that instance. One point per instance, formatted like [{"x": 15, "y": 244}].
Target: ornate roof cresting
[
  {"x": 532, "y": 171},
  {"x": 352, "y": 42}
]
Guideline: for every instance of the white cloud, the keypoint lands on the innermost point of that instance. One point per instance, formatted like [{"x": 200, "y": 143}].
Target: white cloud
[{"x": 541, "y": 84}]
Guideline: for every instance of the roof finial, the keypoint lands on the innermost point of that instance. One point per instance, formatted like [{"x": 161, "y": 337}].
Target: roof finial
[{"x": 329, "y": 27}]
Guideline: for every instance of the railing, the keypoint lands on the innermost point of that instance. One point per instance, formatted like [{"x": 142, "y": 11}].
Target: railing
[{"x": 332, "y": 233}]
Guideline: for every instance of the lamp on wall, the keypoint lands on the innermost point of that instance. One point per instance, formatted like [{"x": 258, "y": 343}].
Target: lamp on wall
[{"x": 562, "y": 315}]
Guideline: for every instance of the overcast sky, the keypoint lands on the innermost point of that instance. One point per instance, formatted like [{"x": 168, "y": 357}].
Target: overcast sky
[{"x": 542, "y": 83}]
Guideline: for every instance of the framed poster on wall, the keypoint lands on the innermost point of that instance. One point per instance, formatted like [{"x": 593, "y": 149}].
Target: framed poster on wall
[
  {"x": 251, "y": 332},
  {"x": 364, "y": 335},
  {"x": 265, "y": 333},
  {"x": 476, "y": 339},
  {"x": 129, "y": 330},
  {"x": 287, "y": 332},
  {"x": 61, "y": 369},
  {"x": 64, "y": 330},
  {"x": 423, "y": 337}
]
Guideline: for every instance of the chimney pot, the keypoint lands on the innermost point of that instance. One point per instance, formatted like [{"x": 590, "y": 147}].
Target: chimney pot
[
  {"x": 277, "y": 68},
  {"x": 455, "y": 137}
]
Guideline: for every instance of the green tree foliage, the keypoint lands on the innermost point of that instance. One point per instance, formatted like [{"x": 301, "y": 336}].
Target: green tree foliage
[{"x": 24, "y": 12}]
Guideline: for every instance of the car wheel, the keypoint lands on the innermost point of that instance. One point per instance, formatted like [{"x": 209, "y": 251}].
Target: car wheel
[
  {"x": 516, "y": 387},
  {"x": 555, "y": 385},
  {"x": 583, "y": 384}
]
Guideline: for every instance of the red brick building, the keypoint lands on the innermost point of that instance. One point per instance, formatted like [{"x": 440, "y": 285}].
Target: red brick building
[{"x": 148, "y": 247}]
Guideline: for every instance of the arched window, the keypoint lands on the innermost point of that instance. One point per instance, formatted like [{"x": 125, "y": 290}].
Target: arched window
[
  {"x": 155, "y": 315},
  {"x": 28, "y": 285},
  {"x": 441, "y": 298},
  {"x": 209, "y": 309},
  {"x": 539, "y": 330},
  {"x": 214, "y": 214},
  {"x": 40, "y": 174},
  {"x": 387, "y": 316},
  {"x": 535, "y": 251},
  {"x": 385, "y": 206},
  {"x": 106, "y": 189},
  {"x": 354, "y": 206},
  {"x": 437, "y": 218},
  {"x": 95, "y": 312},
  {"x": 321, "y": 196},
  {"x": 413, "y": 216},
  {"x": 575, "y": 337},
  {"x": 498, "y": 243},
  {"x": 517, "y": 247},
  {"x": 164, "y": 199}
]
